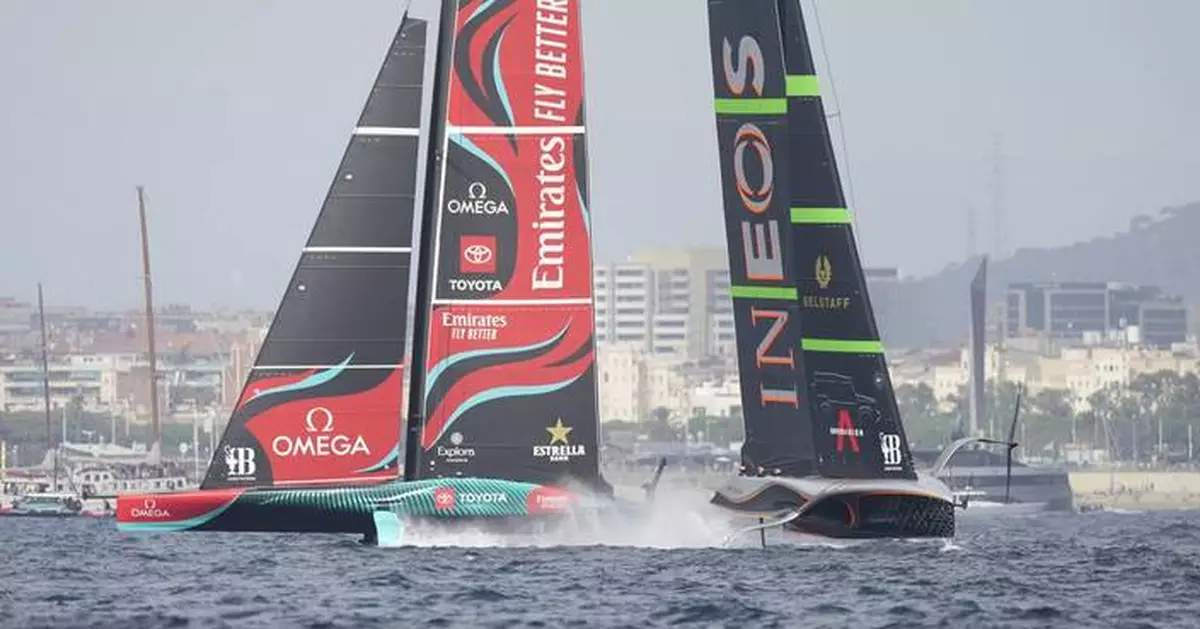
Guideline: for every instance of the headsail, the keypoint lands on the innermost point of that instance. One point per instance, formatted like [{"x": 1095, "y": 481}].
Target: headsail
[
  {"x": 749, "y": 85},
  {"x": 323, "y": 403},
  {"x": 857, "y": 428},
  {"x": 509, "y": 389}
]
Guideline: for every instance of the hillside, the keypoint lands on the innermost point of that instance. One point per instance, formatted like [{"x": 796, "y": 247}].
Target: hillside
[{"x": 1159, "y": 250}]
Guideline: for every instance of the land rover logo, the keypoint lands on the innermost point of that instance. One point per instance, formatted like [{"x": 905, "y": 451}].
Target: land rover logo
[{"x": 477, "y": 254}]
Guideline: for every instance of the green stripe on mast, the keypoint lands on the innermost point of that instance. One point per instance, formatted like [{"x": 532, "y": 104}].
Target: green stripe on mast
[
  {"x": 803, "y": 85},
  {"x": 820, "y": 216},
  {"x": 763, "y": 292},
  {"x": 839, "y": 346},
  {"x": 751, "y": 105}
]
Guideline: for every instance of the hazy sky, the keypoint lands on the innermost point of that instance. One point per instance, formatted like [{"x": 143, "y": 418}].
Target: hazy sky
[{"x": 234, "y": 114}]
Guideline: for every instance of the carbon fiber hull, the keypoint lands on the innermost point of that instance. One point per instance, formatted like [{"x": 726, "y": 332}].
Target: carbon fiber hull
[{"x": 845, "y": 509}]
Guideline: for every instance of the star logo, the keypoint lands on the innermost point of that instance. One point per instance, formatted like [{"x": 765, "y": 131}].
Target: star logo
[{"x": 558, "y": 432}]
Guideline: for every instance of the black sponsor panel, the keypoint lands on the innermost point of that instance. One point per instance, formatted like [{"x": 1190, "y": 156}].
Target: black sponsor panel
[
  {"x": 364, "y": 221},
  {"x": 858, "y": 432},
  {"x": 378, "y": 165},
  {"x": 477, "y": 253},
  {"x": 543, "y": 438},
  {"x": 832, "y": 291},
  {"x": 772, "y": 375},
  {"x": 749, "y": 29},
  {"x": 331, "y": 311},
  {"x": 753, "y": 157},
  {"x": 814, "y": 176}
]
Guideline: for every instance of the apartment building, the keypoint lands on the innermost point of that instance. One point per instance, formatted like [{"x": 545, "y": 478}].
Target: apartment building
[
  {"x": 1076, "y": 310},
  {"x": 668, "y": 301}
]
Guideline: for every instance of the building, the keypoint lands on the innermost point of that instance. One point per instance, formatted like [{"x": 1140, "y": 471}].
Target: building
[
  {"x": 1074, "y": 311},
  {"x": 635, "y": 381},
  {"x": 90, "y": 381},
  {"x": 677, "y": 301},
  {"x": 668, "y": 301}
]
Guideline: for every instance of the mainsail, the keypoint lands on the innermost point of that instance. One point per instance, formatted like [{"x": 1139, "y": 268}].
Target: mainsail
[
  {"x": 749, "y": 83},
  {"x": 508, "y": 388},
  {"x": 857, "y": 428},
  {"x": 323, "y": 403},
  {"x": 817, "y": 397}
]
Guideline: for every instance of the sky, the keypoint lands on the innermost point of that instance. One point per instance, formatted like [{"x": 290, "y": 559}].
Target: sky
[{"x": 234, "y": 115}]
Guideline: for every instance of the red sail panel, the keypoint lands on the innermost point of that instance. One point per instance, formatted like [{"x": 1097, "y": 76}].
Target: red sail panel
[
  {"x": 517, "y": 63},
  {"x": 509, "y": 388}
]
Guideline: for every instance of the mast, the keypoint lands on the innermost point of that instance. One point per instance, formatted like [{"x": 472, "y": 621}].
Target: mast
[
  {"x": 50, "y": 441},
  {"x": 977, "y": 345},
  {"x": 434, "y": 154},
  {"x": 148, "y": 285}
]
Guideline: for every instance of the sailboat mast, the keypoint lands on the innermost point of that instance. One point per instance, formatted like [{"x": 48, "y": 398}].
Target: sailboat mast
[
  {"x": 149, "y": 289},
  {"x": 46, "y": 387},
  {"x": 428, "y": 215}
]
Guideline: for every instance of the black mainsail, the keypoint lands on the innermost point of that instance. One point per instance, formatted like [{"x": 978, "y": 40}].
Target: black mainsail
[
  {"x": 324, "y": 402},
  {"x": 825, "y": 451},
  {"x": 857, "y": 428},
  {"x": 752, "y": 139}
]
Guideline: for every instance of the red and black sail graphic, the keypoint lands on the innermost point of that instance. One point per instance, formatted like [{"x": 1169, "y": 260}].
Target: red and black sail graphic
[
  {"x": 509, "y": 386},
  {"x": 323, "y": 403},
  {"x": 749, "y": 86},
  {"x": 857, "y": 428}
]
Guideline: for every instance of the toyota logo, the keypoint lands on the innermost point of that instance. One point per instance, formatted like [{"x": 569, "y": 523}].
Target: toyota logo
[{"x": 477, "y": 254}]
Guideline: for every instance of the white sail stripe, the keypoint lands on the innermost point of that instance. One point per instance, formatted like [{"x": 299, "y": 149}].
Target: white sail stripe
[
  {"x": 573, "y": 130},
  {"x": 307, "y": 367},
  {"x": 581, "y": 301},
  {"x": 358, "y": 250},
  {"x": 410, "y": 132}
]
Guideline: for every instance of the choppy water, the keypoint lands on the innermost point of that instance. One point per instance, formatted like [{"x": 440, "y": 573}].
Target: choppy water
[{"x": 1092, "y": 570}]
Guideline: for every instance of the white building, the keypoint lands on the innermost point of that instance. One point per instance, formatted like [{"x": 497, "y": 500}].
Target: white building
[
  {"x": 669, "y": 301},
  {"x": 634, "y": 382}
]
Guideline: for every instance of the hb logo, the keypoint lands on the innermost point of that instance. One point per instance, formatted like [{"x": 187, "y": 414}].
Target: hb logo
[{"x": 240, "y": 462}]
